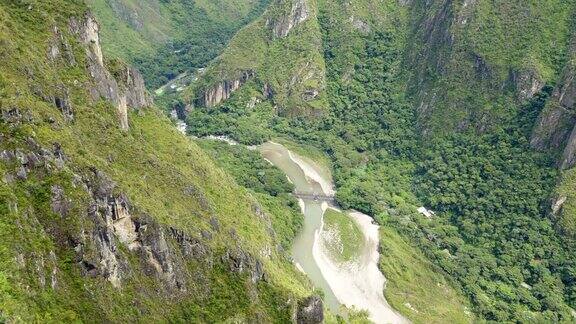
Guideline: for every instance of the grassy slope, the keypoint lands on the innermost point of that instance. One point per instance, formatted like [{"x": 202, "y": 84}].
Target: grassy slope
[
  {"x": 350, "y": 240},
  {"x": 415, "y": 286},
  {"x": 152, "y": 163},
  {"x": 267, "y": 183}
]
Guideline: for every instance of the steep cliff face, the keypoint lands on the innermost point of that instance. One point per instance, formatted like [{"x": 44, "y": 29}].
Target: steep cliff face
[
  {"x": 127, "y": 90},
  {"x": 282, "y": 24},
  {"x": 223, "y": 90},
  {"x": 556, "y": 126},
  {"x": 101, "y": 220},
  {"x": 470, "y": 60},
  {"x": 281, "y": 51}
]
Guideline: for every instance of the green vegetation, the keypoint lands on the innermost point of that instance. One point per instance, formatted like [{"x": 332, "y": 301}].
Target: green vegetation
[
  {"x": 186, "y": 35},
  {"x": 411, "y": 277},
  {"x": 268, "y": 183},
  {"x": 491, "y": 235},
  {"x": 290, "y": 66},
  {"x": 48, "y": 241},
  {"x": 368, "y": 134},
  {"x": 480, "y": 60},
  {"x": 492, "y": 245},
  {"x": 234, "y": 119},
  {"x": 565, "y": 217},
  {"x": 345, "y": 241}
]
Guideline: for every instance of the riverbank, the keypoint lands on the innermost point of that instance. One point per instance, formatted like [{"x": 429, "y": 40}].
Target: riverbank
[
  {"x": 357, "y": 284},
  {"x": 416, "y": 287}
]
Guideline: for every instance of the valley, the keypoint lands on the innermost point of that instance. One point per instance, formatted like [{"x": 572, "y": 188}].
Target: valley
[
  {"x": 354, "y": 281},
  {"x": 288, "y": 161}
]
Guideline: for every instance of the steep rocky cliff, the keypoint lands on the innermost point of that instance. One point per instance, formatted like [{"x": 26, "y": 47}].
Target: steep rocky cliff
[
  {"x": 555, "y": 134},
  {"x": 108, "y": 212},
  {"x": 555, "y": 128},
  {"x": 473, "y": 62},
  {"x": 223, "y": 90},
  {"x": 282, "y": 24},
  {"x": 124, "y": 90}
]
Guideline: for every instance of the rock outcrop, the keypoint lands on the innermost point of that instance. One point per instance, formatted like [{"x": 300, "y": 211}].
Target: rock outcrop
[
  {"x": 310, "y": 311},
  {"x": 223, "y": 90},
  {"x": 527, "y": 83},
  {"x": 282, "y": 25},
  {"x": 239, "y": 261},
  {"x": 116, "y": 223},
  {"x": 126, "y": 90},
  {"x": 555, "y": 128}
]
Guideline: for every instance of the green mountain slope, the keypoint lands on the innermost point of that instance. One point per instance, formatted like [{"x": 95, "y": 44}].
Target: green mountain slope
[
  {"x": 185, "y": 34},
  {"x": 465, "y": 107},
  {"x": 279, "y": 53},
  {"x": 106, "y": 211},
  {"x": 472, "y": 61}
]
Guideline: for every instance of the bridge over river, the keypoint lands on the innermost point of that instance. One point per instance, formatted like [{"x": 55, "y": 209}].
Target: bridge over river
[{"x": 314, "y": 196}]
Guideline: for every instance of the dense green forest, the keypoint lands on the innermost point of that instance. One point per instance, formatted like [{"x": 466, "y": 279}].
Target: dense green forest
[
  {"x": 492, "y": 232},
  {"x": 490, "y": 192}
]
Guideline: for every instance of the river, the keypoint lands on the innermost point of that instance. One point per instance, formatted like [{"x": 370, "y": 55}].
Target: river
[{"x": 358, "y": 283}]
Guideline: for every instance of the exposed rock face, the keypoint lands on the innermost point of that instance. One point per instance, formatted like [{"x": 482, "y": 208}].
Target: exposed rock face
[
  {"x": 557, "y": 205},
  {"x": 281, "y": 26},
  {"x": 360, "y": 25},
  {"x": 568, "y": 159},
  {"x": 39, "y": 160},
  {"x": 128, "y": 15},
  {"x": 191, "y": 248},
  {"x": 158, "y": 254},
  {"x": 240, "y": 262},
  {"x": 466, "y": 11},
  {"x": 310, "y": 311},
  {"x": 59, "y": 47},
  {"x": 556, "y": 125},
  {"x": 110, "y": 264},
  {"x": 115, "y": 223},
  {"x": 527, "y": 84},
  {"x": 267, "y": 91},
  {"x": 126, "y": 91},
  {"x": 132, "y": 85},
  {"x": 60, "y": 205},
  {"x": 437, "y": 45},
  {"x": 223, "y": 90}
]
